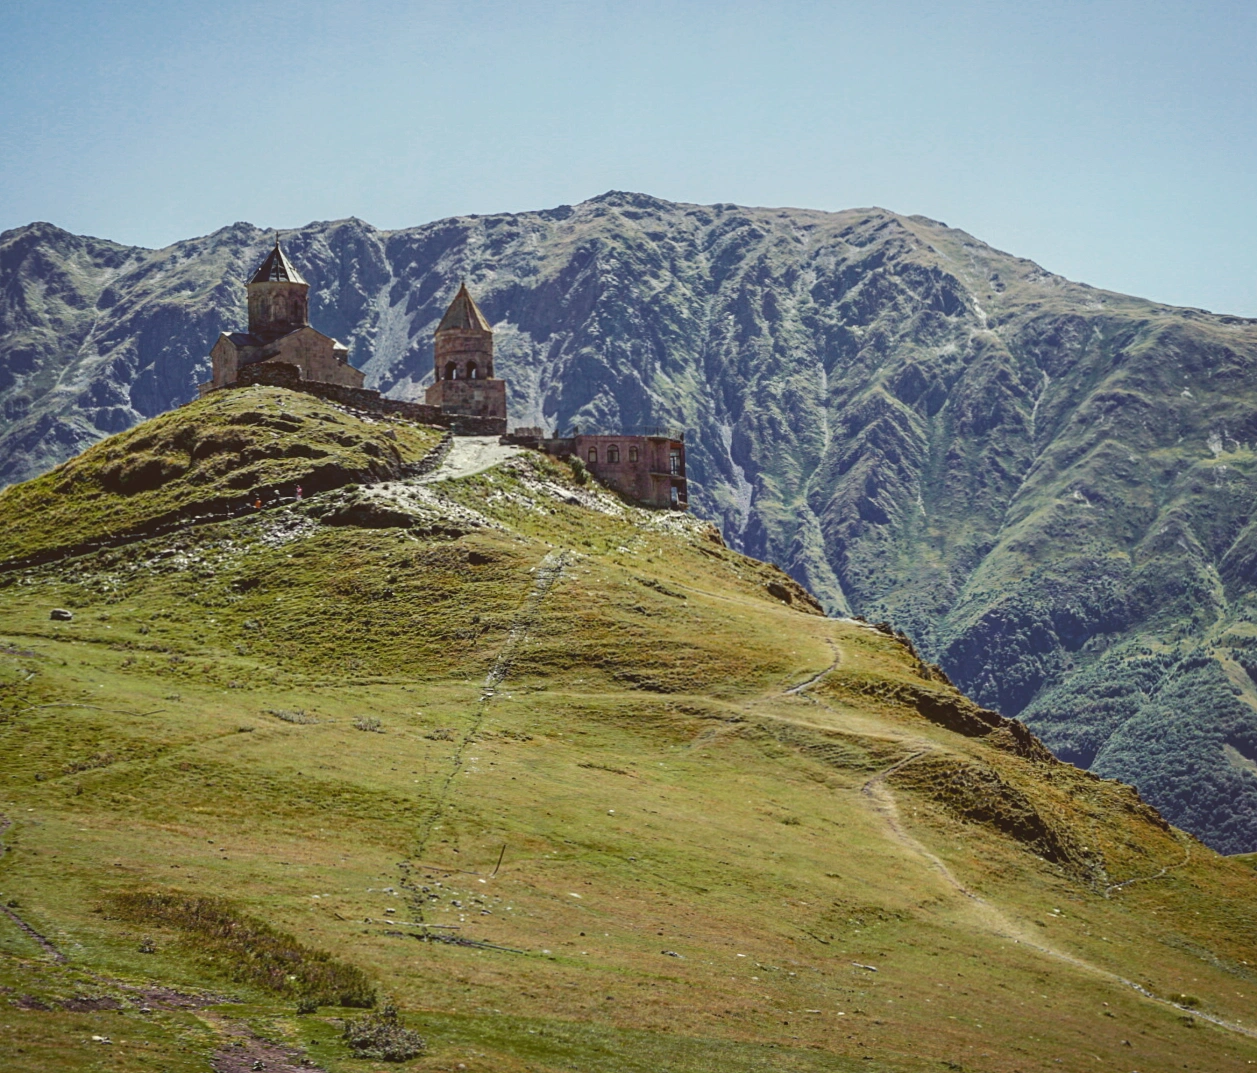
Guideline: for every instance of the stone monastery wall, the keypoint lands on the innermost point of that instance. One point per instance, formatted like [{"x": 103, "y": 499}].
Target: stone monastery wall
[{"x": 281, "y": 374}]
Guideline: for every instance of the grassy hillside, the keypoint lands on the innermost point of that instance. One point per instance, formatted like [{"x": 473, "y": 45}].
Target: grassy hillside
[
  {"x": 211, "y": 457},
  {"x": 576, "y": 787},
  {"x": 1043, "y": 483}
]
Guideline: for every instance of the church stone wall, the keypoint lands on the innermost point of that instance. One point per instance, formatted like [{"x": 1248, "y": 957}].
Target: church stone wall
[
  {"x": 224, "y": 362},
  {"x": 277, "y": 308},
  {"x": 317, "y": 356},
  {"x": 281, "y": 374},
  {"x": 481, "y": 398}
]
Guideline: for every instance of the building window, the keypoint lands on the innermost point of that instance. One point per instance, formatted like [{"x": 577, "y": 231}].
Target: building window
[
  {"x": 674, "y": 463},
  {"x": 593, "y": 454},
  {"x": 632, "y": 454},
  {"x": 613, "y": 453},
  {"x": 472, "y": 372},
  {"x": 451, "y": 371},
  {"x": 673, "y": 498}
]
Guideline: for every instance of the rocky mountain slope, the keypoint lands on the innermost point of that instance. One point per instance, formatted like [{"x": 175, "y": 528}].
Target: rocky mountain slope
[
  {"x": 1048, "y": 486},
  {"x": 565, "y": 783}
]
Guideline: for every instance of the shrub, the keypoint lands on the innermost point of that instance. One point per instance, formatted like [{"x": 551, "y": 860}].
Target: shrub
[
  {"x": 254, "y": 952},
  {"x": 364, "y": 722},
  {"x": 579, "y": 473},
  {"x": 96, "y": 760},
  {"x": 382, "y": 1035},
  {"x": 298, "y": 716}
]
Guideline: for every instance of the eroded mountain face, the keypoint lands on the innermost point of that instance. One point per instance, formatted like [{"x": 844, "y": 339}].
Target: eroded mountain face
[{"x": 1048, "y": 486}]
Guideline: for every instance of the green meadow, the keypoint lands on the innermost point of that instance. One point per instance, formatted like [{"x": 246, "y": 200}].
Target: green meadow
[{"x": 570, "y": 783}]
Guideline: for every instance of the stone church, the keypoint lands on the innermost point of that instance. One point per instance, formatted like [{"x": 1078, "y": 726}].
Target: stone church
[{"x": 279, "y": 331}]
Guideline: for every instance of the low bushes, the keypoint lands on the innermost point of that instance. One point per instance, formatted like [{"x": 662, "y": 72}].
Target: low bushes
[
  {"x": 254, "y": 952},
  {"x": 382, "y": 1035}
]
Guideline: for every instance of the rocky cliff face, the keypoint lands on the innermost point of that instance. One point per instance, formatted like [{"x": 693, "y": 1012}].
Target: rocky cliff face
[{"x": 1050, "y": 487}]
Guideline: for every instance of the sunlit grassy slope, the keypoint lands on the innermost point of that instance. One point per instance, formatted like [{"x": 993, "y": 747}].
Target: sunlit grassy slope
[
  {"x": 209, "y": 456},
  {"x": 691, "y": 825}
]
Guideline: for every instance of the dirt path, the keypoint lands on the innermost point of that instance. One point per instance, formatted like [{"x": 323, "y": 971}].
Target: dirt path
[
  {"x": 883, "y": 802},
  {"x": 1187, "y": 856},
  {"x": 49, "y": 947},
  {"x": 469, "y": 455},
  {"x": 548, "y": 571},
  {"x": 992, "y": 919},
  {"x": 793, "y": 690},
  {"x": 985, "y": 915},
  {"x": 243, "y": 1050}
]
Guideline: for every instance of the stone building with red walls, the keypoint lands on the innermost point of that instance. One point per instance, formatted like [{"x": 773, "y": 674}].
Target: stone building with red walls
[{"x": 647, "y": 465}]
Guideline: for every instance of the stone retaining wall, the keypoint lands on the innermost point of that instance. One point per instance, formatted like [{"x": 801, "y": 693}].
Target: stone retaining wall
[{"x": 281, "y": 374}]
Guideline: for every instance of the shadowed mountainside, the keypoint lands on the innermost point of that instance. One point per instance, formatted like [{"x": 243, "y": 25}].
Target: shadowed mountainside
[{"x": 1048, "y": 486}]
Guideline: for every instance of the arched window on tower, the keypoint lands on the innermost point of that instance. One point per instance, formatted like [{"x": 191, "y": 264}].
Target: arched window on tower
[
  {"x": 451, "y": 371},
  {"x": 593, "y": 454},
  {"x": 632, "y": 454},
  {"x": 472, "y": 372},
  {"x": 613, "y": 453}
]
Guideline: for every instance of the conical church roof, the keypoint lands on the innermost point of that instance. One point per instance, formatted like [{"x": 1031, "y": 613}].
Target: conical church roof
[
  {"x": 463, "y": 313},
  {"x": 276, "y": 268}
]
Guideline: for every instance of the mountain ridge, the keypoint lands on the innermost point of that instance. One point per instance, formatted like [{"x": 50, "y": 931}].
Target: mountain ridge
[{"x": 1050, "y": 487}]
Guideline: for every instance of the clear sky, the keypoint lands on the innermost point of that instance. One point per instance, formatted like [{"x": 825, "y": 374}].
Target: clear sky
[{"x": 1113, "y": 142}]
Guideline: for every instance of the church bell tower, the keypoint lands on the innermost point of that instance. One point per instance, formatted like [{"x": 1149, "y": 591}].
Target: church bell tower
[{"x": 463, "y": 359}]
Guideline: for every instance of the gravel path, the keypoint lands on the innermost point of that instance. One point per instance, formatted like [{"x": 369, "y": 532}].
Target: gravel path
[{"x": 469, "y": 455}]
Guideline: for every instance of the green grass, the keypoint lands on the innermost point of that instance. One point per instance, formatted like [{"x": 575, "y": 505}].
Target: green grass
[
  {"x": 693, "y": 864},
  {"x": 214, "y": 454}
]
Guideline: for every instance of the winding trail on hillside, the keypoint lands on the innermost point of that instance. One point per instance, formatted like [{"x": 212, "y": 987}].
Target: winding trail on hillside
[
  {"x": 548, "y": 572},
  {"x": 1187, "y": 856},
  {"x": 795, "y": 690},
  {"x": 990, "y": 917},
  {"x": 883, "y": 803}
]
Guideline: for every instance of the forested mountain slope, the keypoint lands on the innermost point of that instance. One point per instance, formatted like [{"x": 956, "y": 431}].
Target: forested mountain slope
[
  {"x": 570, "y": 783},
  {"x": 1048, "y": 486}
]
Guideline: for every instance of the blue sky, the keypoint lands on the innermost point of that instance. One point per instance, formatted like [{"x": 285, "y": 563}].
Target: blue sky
[{"x": 1113, "y": 142}]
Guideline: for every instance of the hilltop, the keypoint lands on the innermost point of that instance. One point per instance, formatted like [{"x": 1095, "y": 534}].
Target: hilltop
[
  {"x": 1048, "y": 486},
  {"x": 574, "y": 783}
]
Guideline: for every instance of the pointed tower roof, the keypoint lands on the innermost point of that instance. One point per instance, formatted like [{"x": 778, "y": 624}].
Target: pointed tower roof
[
  {"x": 277, "y": 268},
  {"x": 463, "y": 313}
]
